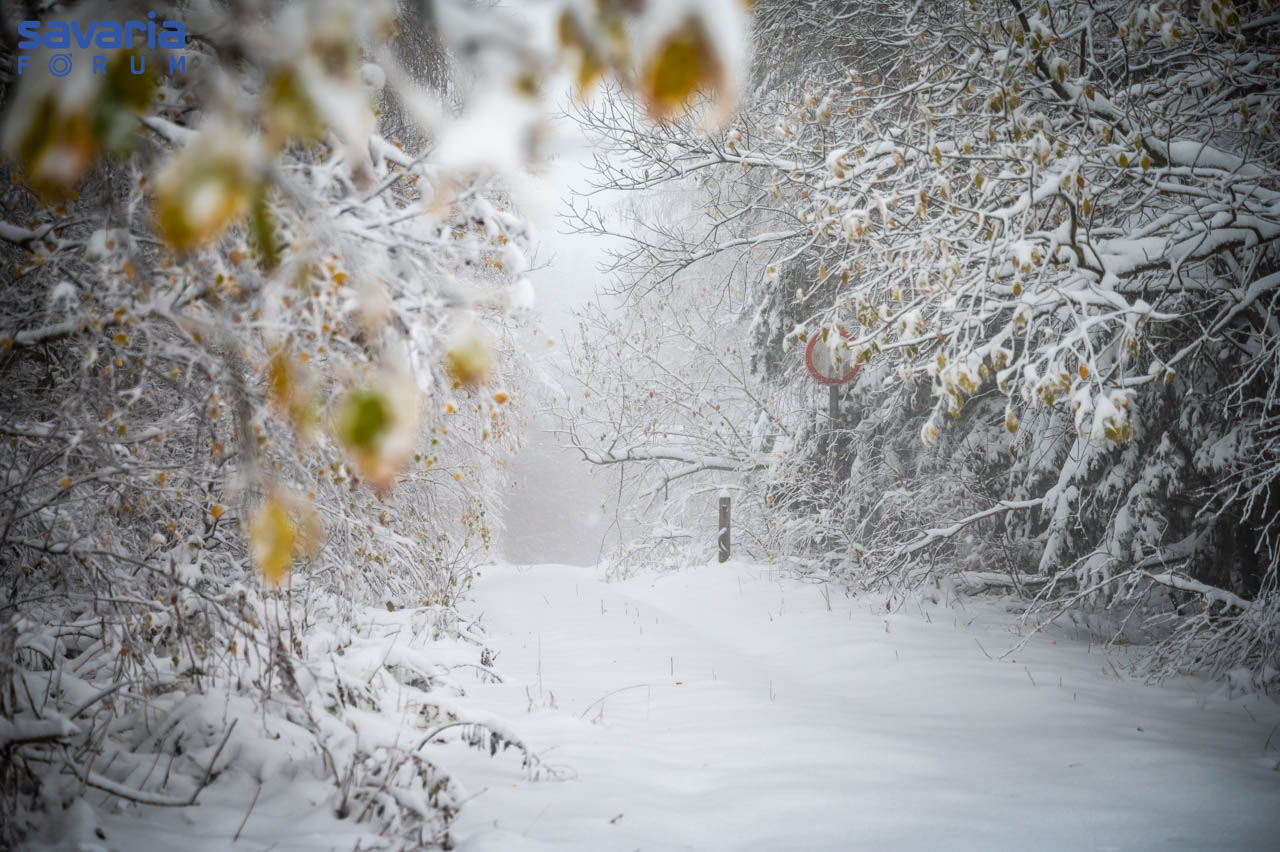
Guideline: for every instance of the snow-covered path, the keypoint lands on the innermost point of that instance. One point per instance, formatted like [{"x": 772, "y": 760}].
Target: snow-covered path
[{"x": 720, "y": 708}]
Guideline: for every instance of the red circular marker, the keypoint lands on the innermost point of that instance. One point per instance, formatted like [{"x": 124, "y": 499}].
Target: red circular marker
[{"x": 823, "y": 377}]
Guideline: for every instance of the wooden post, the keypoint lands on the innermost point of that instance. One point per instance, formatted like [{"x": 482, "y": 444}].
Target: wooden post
[{"x": 724, "y": 527}]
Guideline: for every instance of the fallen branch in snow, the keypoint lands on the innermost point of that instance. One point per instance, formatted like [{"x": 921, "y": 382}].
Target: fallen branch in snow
[
  {"x": 976, "y": 582},
  {"x": 143, "y": 797},
  {"x": 110, "y": 690},
  {"x": 941, "y": 533},
  {"x": 18, "y": 732},
  {"x": 1211, "y": 594}
]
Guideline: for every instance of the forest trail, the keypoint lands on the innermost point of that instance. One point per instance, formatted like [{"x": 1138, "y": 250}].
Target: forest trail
[{"x": 723, "y": 708}]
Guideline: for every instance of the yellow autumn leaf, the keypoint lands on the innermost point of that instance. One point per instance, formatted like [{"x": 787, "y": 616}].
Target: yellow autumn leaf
[
  {"x": 364, "y": 419},
  {"x": 203, "y": 190},
  {"x": 290, "y": 391},
  {"x": 280, "y": 377},
  {"x": 683, "y": 63},
  {"x": 272, "y": 539},
  {"x": 469, "y": 359},
  {"x": 574, "y": 39},
  {"x": 288, "y": 112},
  {"x": 377, "y": 425},
  {"x": 57, "y": 148}
]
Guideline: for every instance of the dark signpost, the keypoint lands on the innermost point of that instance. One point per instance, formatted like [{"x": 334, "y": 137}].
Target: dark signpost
[{"x": 724, "y": 527}]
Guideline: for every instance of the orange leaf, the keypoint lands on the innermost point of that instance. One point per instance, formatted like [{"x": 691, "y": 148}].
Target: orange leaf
[{"x": 684, "y": 63}]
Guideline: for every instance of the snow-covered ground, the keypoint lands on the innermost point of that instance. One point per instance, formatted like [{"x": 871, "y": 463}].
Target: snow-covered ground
[{"x": 723, "y": 708}]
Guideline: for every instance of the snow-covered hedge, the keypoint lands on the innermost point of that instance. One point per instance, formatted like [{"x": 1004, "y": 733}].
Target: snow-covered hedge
[
  {"x": 1049, "y": 231},
  {"x": 259, "y": 345}
]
